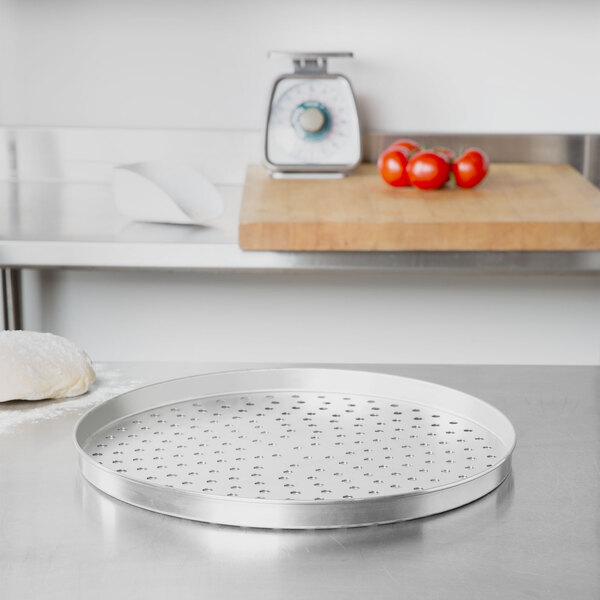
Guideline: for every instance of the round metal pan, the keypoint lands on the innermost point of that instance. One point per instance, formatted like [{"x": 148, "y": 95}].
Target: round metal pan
[{"x": 295, "y": 448}]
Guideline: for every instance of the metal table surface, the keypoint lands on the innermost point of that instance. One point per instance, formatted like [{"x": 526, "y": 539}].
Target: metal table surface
[
  {"x": 58, "y": 225},
  {"x": 536, "y": 536},
  {"x": 76, "y": 225}
]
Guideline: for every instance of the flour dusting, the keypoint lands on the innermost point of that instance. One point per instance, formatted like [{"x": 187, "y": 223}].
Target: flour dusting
[{"x": 110, "y": 382}]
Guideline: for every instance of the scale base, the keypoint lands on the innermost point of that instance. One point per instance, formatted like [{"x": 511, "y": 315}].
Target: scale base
[{"x": 308, "y": 175}]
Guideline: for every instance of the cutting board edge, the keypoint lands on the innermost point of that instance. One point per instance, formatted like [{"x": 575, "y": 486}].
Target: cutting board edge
[{"x": 390, "y": 237}]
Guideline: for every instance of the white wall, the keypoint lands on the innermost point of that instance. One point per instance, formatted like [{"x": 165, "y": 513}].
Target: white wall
[
  {"x": 324, "y": 317},
  {"x": 427, "y": 65}
]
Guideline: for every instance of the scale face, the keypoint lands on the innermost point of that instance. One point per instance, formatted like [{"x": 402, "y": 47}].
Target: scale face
[{"x": 312, "y": 126}]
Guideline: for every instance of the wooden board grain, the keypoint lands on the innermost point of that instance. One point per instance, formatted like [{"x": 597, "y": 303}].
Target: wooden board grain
[{"x": 517, "y": 207}]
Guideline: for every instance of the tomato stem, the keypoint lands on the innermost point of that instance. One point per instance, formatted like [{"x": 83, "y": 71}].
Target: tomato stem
[{"x": 451, "y": 181}]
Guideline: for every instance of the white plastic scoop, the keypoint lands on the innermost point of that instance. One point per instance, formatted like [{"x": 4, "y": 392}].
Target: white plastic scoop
[{"x": 163, "y": 192}]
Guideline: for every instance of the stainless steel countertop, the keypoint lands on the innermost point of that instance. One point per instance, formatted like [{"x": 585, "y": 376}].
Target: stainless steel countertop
[
  {"x": 537, "y": 536},
  {"x": 76, "y": 225}
]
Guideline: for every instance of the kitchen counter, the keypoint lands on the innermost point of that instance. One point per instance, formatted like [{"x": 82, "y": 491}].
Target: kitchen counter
[
  {"x": 76, "y": 225},
  {"x": 536, "y": 536}
]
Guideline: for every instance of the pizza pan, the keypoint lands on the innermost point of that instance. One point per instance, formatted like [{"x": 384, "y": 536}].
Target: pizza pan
[{"x": 295, "y": 448}]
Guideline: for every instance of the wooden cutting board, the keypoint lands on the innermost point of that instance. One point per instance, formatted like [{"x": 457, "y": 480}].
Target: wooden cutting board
[{"x": 517, "y": 207}]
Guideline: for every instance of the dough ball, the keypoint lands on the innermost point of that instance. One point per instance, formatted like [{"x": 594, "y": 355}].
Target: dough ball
[{"x": 36, "y": 366}]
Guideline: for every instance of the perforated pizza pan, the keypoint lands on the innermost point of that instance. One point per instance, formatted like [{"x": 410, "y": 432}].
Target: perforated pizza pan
[{"x": 295, "y": 448}]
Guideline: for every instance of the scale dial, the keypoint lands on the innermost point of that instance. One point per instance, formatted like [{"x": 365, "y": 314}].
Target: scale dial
[{"x": 312, "y": 125}]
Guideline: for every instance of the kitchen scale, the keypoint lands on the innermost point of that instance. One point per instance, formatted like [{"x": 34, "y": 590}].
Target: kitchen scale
[
  {"x": 295, "y": 448},
  {"x": 312, "y": 128}
]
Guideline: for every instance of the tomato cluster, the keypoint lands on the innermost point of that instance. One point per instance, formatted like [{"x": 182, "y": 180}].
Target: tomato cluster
[{"x": 404, "y": 163}]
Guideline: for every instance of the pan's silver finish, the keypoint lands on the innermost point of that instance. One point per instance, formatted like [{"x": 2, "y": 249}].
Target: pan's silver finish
[{"x": 295, "y": 448}]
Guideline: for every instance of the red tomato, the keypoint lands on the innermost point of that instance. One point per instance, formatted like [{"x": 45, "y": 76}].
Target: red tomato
[
  {"x": 428, "y": 170},
  {"x": 407, "y": 144},
  {"x": 470, "y": 168},
  {"x": 447, "y": 152},
  {"x": 392, "y": 166}
]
